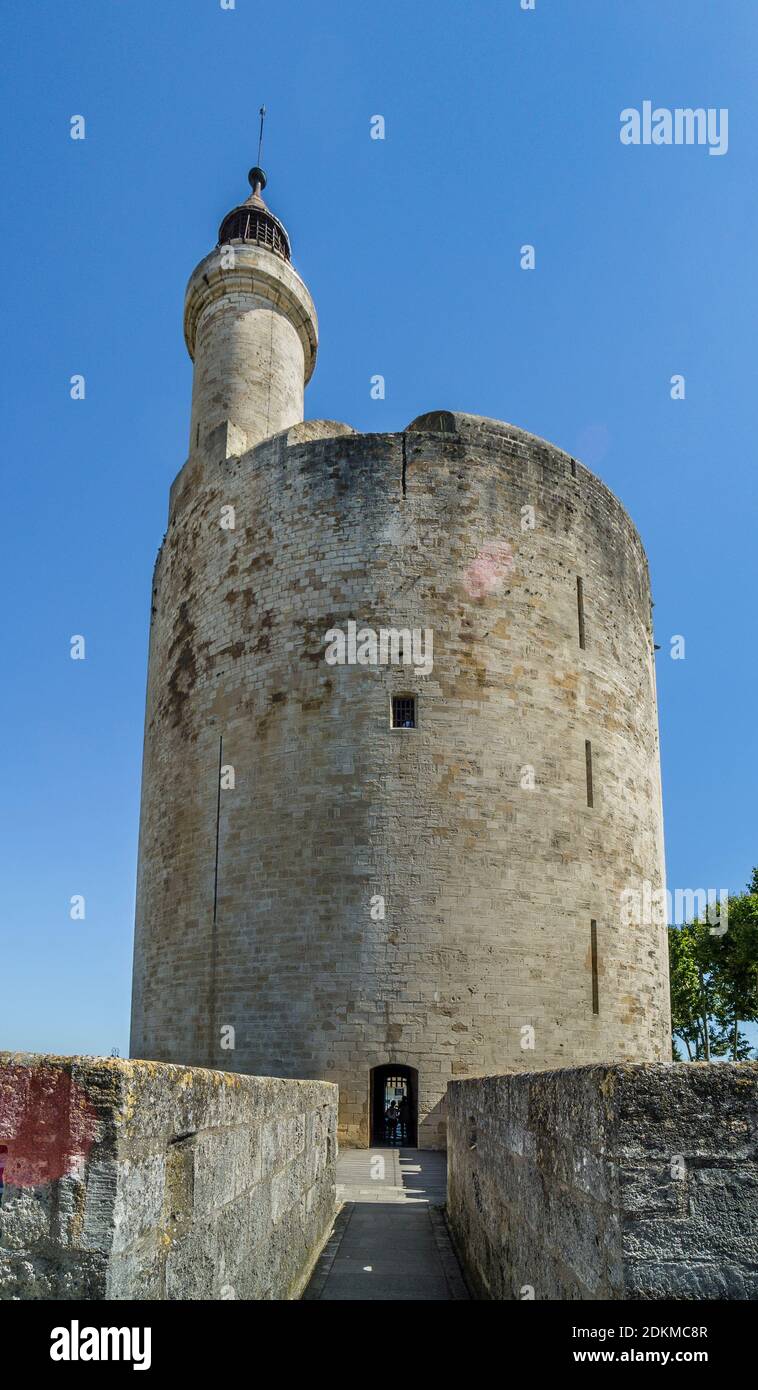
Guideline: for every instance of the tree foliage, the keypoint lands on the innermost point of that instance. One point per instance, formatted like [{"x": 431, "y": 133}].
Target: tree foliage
[{"x": 714, "y": 982}]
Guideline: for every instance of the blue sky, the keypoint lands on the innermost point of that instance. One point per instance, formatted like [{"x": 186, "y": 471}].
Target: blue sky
[{"x": 502, "y": 128}]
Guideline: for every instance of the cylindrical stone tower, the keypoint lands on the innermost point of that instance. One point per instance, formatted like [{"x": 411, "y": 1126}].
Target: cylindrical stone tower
[
  {"x": 401, "y": 764},
  {"x": 250, "y": 328}
]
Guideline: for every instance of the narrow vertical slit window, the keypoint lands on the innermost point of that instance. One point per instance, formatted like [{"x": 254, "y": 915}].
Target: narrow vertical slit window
[
  {"x": 580, "y": 609},
  {"x": 218, "y": 822},
  {"x": 404, "y": 711},
  {"x": 404, "y": 479},
  {"x": 593, "y": 948},
  {"x": 588, "y": 762}
]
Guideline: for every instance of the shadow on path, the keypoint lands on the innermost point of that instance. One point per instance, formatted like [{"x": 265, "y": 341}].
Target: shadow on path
[{"x": 389, "y": 1241}]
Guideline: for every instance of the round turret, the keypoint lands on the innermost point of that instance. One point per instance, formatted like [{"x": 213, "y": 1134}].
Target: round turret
[
  {"x": 401, "y": 767},
  {"x": 251, "y": 330}
]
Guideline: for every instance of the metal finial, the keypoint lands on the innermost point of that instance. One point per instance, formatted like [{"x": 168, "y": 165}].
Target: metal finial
[
  {"x": 257, "y": 180},
  {"x": 253, "y": 221}
]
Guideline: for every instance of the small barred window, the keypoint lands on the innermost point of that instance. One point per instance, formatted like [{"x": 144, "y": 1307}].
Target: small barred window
[{"x": 403, "y": 711}]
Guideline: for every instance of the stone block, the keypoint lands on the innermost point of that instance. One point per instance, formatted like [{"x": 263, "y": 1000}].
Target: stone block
[
  {"x": 177, "y": 1180},
  {"x": 603, "y": 1182}
]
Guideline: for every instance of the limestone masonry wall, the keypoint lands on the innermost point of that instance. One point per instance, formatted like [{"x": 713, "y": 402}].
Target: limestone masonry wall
[
  {"x": 254, "y": 906},
  {"x": 252, "y": 333},
  {"x": 138, "y": 1180},
  {"x": 616, "y": 1182}
]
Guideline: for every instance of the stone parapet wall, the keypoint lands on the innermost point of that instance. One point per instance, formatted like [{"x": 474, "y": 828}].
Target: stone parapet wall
[
  {"x": 607, "y": 1182},
  {"x": 128, "y": 1179}
]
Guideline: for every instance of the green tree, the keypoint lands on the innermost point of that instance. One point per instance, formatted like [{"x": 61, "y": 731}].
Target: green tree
[
  {"x": 714, "y": 981},
  {"x": 695, "y": 1004},
  {"x": 735, "y": 964}
]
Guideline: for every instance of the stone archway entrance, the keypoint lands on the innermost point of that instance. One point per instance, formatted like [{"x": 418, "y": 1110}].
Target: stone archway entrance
[{"x": 394, "y": 1106}]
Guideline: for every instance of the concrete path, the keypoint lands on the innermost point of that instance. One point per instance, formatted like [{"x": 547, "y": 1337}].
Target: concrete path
[{"x": 390, "y": 1240}]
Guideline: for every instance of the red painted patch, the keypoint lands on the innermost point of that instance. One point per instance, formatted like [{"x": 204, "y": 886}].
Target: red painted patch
[
  {"x": 489, "y": 569},
  {"x": 47, "y": 1125}
]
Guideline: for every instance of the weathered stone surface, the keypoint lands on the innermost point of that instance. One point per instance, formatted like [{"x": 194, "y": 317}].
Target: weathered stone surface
[
  {"x": 608, "y": 1182},
  {"x": 489, "y": 887},
  {"x": 251, "y": 329},
  {"x": 179, "y": 1182}
]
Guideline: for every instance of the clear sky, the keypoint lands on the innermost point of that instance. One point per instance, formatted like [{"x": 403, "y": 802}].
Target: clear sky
[{"x": 502, "y": 129}]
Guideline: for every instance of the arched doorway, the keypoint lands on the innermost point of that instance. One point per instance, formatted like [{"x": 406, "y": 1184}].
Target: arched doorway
[{"x": 394, "y": 1106}]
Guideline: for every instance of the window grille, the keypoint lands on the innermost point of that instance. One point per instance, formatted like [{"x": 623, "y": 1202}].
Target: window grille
[{"x": 403, "y": 711}]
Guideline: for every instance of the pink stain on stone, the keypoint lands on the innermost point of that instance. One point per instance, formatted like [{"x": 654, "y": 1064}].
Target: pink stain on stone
[
  {"x": 47, "y": 1125},
  {"x": 489, "y": 569}
]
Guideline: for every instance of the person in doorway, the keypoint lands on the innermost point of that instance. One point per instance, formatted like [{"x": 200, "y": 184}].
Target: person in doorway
[
  {"x": 404, "y": 1115},
  {"x": 391, "y": 1116}
]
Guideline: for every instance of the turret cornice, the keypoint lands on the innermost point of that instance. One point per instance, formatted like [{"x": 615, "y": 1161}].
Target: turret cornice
[{"x": 255, "y": 271}]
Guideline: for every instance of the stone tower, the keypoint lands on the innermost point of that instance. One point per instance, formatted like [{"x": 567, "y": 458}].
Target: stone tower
[{"x": 397, "y": 861}]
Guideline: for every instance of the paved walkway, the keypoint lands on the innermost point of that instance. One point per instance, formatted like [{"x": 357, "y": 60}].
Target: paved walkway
[{"x": 390, "y": 1240}]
